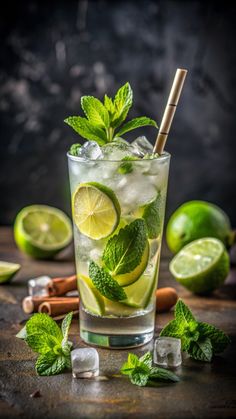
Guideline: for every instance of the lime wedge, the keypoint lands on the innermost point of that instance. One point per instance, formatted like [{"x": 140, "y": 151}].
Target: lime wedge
[
  {"x": 201, "y": 266},
  {"x": 91, "y": 298},
  {"x": 7, "y": 271},
  {"x": 42, "y": 231},
  {"x": 96, "y": 210},
  {"x": 129, "y": 278}
]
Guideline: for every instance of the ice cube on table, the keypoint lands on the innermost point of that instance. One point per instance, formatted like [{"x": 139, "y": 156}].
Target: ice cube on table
[
  {"x": 85, "y": 363},
  {"x": 167, "y": 352},
  {"x": 91, "y": 150},
  {"x": 38, "y": 286},
  {"x": 142, "y": 146}
]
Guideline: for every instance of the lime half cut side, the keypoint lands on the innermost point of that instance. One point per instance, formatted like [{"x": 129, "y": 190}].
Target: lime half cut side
[
  {"x": 91, "y": 298},
  {"x": 96, "y": 210},
  {"x": 201, "y": 266},
  {"x": 42, "y": 231},
  {"x": 7, "y": 271}
]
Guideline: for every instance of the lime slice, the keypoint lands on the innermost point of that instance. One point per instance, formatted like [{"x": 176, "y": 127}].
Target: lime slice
[
  {"x": 42, "y": 231},
  {"x": 7, "y": 271},
  {"x": 91, "y": 298},
  {"x": 201, "y": 266},
  {"x": 138, "y": 294},
  {"x": 96, "y": 210},
  {"x": 129, "y": 278}
]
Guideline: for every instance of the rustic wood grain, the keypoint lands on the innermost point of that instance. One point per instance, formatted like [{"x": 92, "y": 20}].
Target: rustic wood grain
[{"x": 205, "y": 390}]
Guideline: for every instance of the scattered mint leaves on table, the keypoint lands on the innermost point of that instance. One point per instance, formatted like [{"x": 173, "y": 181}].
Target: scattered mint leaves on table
[
  {"x": 200, "y": 340},
  {"x": 44, "y": 336},
  {"x": 103, "y": 121},
  {"x": 141, "y": 373}
]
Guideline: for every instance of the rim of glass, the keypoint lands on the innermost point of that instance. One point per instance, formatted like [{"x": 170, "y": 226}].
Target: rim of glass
[{"x": 164, "y": 156}]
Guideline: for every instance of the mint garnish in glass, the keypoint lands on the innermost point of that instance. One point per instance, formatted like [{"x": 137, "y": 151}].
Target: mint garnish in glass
[{"x": 104, "y": 122}]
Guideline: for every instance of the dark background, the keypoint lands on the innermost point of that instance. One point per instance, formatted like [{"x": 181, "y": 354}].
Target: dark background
[{"x": 54, "y": 52}]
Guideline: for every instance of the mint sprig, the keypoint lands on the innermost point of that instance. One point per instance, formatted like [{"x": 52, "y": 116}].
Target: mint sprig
[
  {"x": 200, "y": 340},
  {"x": 103, "y": 121},
  {"x": 141, "y": 373},
  {"x": 45, "y": 337}
]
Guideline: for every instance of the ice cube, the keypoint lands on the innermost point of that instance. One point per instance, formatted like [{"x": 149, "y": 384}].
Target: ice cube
[
  {"x": 167, "y": 352},
  {"x": 142, "y": 146},
  {"x": 85, "y": 363},
  {"x": 91, "y": 150},
  {"x": 38, "y": 286},
  {"x": 117, "y": 150}
]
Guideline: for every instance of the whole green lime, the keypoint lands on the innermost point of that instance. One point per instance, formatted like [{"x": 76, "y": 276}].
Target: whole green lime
[{"x": 194, "y": 220}]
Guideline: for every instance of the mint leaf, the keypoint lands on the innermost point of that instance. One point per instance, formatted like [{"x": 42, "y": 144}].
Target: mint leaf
[
  {"x": 86, "y": 129},
  {"x": 146, "y": 359},
  {"x": 122, "y": 102},
  {"x": 123, "y": 252},
  {"x": 41, "y": 342},
  {"x": 139, "y": 377},
  {"x": 201, "y": 350},
  {"x": 66, "y": 325},
  {"x": 219, "y": 339},
  {"x": 151, "y": 215},
  {"x": 41, "y": 323},
  {"x": 135, "y": 123},
  {"x": 95, "y": 111},
  {"x": 126, "y": 167},
  {"x": 173, "y": 329},
  {"x": 50, "y": 364},
  {"x": 109, "y": 105},
  {"x": 105, "y": 284},
  {"x": 66, "y": 346},
  {"x": 183, "y": 313},
  {"x": 162, "y": 374},
  {"x": 74, "y": 150}
]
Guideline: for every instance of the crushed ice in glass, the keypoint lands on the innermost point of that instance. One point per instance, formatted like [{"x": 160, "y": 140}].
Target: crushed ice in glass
[
  {"x": 85, "y": 363},
  {"x": 167, "y": 352},
  {"x": 117, "y": 150},
  {"x": 91, "y": 150},
  {"x": 38, "y": 286},
  {"x": 142, "y": 146}
]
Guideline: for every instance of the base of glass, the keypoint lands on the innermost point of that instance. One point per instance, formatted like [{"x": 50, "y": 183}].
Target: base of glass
[{"x": 115, "y": 341}]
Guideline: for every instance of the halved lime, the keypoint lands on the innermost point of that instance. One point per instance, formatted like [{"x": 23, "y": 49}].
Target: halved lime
[
  {"x": 201, "y": 266},
  {"x": 124, "y": 280},
  {"x": 96, "y": 210},
  {"x": 91, "y": 298},
  {"x": 42, "y": 231},
  {"x": 7, "y": 271}
]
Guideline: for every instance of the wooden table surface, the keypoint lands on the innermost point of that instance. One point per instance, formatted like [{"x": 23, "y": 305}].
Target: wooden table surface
[{"x": 205, "y": 390}]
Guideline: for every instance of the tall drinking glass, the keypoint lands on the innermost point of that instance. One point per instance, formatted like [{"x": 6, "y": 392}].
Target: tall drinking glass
[{"x": 118, "y": 272}]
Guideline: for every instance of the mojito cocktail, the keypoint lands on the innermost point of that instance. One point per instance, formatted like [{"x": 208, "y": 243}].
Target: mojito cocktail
[{"x": 118, "y": 203}]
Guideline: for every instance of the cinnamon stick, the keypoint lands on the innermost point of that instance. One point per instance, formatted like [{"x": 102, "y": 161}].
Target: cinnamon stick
[
  {"x": 57, "y": 307},
  {"x": 31, "y": 304},
  {"x": 60, "y": 286},
  {"x": 165, "y": 299}
]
